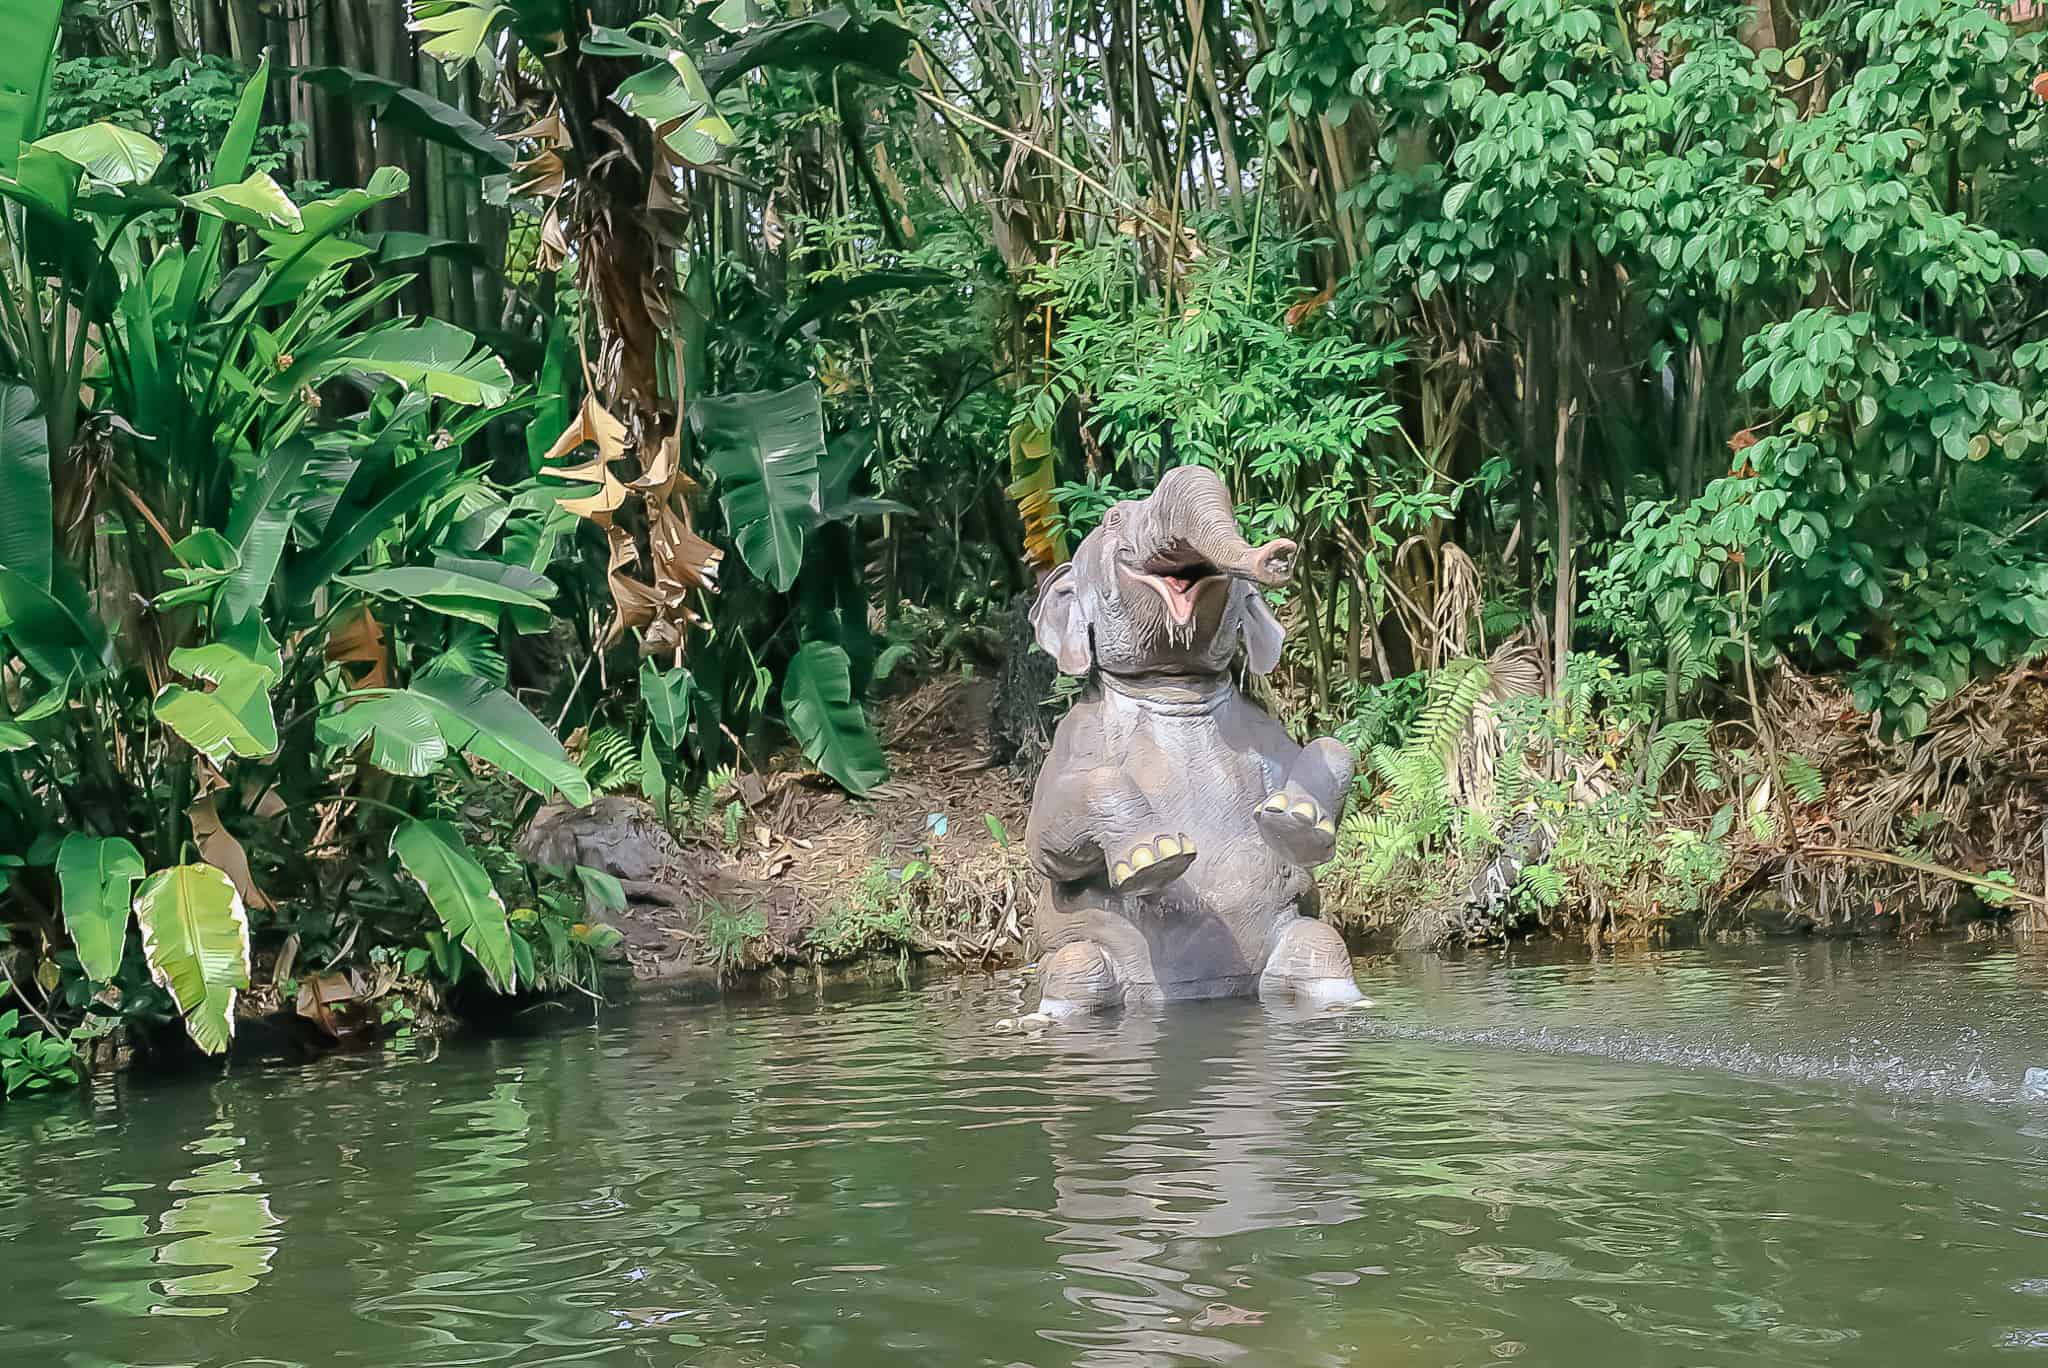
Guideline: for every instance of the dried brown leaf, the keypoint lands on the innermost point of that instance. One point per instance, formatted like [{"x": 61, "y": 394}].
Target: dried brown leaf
[{"x": 221, "y": 850}]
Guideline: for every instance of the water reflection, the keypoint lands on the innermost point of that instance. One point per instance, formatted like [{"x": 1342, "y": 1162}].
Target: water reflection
[
  {"x": 888, "y": 1181},
  {"x": 1192, "y": 1132},
  {"x": 225, "y": 1229}
]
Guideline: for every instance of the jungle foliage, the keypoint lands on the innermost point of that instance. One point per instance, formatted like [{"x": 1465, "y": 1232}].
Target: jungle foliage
[{"x": 411, "y": 412}]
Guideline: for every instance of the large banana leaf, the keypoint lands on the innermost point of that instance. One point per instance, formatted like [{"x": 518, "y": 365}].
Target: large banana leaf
[
  {"x": 827, "y": 721},
  {"x": 256, "y": 201},
  {"x": 377, "y": 495},
  {"x": 765, "y": 448},
  {"x": 195, "y": 935},
  {"x": 434, "y": 357},
  {"x": 108, "y": 153},
  {"x": 488, "y": 724},
  {"x": 461, "y": 894},
  {"x": 454, "y": 32},
  {"x": 28, "y": 51},
  {"x": 671, "y": 97},
  {"x": 26, "y": 530},
  {"x": 96, "y": 876},
  {"x": 403, "y": 734},
  {"x": 834, "y": 36},
  {"x": 260, "y": 522},
  {"x": 409, "y": 110},
  {"x": 457, "y": 592},
  {"x": 54, "y": 629},
  {"x": 234, "y": 716}
]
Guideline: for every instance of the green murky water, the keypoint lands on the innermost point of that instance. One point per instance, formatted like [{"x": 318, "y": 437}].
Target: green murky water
[{"x": 1809, "y": 1155}]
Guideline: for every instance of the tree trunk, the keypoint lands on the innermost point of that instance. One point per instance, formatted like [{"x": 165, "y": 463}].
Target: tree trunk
[{"x": 163, "y": 22}]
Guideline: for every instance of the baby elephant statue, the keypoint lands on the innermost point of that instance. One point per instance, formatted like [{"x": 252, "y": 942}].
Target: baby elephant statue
[{"x": 1175, "y": 822}]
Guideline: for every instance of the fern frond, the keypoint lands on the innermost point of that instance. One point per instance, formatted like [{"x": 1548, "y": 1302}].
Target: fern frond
[
  {"x": 611, "y": 761},
  {"x": 1454, "y": 693},
  {"x": 1803, "y": 778},
  {"x": 1541, "y": 884},
  {"x": 1688, "y": 741}
]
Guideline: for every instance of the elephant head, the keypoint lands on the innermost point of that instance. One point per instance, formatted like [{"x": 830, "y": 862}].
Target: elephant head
[{"x": 1165, "y": 586}]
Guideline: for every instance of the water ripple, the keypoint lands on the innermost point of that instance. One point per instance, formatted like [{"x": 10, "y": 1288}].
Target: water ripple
[{"x": 1775, "y": 1158}]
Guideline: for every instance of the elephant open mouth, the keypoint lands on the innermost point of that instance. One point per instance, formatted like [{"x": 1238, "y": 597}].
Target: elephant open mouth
[{"x": 1180, "y": 584}]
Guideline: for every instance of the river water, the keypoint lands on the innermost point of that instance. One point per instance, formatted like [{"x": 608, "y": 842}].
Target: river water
[{"x": 1819, "y": 1154}]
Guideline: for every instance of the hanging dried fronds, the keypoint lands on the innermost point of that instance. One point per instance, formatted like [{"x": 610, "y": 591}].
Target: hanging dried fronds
[{"x": 1031, "y": 489}]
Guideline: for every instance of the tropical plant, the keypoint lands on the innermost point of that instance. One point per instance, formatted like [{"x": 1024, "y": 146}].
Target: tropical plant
[{"x": 240, "y": 548}]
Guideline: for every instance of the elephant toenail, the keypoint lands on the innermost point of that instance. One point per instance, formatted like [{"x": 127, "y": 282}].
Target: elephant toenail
[
  {"x": 1122, "y": 871},
  {"x": 1327, "y": 827},
  {"x": 1168, "y": 847},
  {"x": 1142, "y": 857},
  {"x": 1277, "y": 803},
  {"x": 1307, "y": 810}
]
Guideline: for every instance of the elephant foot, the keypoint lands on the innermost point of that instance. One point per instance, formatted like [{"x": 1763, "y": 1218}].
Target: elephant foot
[
  {"x": 1152, "y": 864},
  {"x": 1076, "y": 978},
  {"x": 1296, "y": 825},
  {"x": 1310, "y": 963}
]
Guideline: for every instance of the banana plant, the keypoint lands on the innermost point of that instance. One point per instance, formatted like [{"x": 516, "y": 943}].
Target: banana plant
[{"x": 238, "y": 531}]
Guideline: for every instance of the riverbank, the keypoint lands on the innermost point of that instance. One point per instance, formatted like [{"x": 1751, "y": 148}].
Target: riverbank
[
  {"x": 1851, "y": 834},
  {"x": 784, "y": 873},
  {"x": 778, "y": 882}
]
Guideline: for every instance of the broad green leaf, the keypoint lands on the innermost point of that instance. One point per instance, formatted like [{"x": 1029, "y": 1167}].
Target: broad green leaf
[
  {"x": 401, "y": 729},
  {"x": 409, "y": 110},
  {"x": 28, "y": 53},
  {"x": 488, "y": 724},
  {"x": 195, "y": 935},
  {"x": 832, "y": 37},
  {"x": 108, "y": 153},
  {"x": 376, "y": 496},
  {"x": 234, "y": 716},
  {"x": 653, "y": 778},
  {"x": 336, "y": 211},
  {"x": 444, "y": 589},
  {"x": 431, "y": 356},
  {"x": 453, "y": 32},
  {"x": 255, "y": 202},
  {"x": 96, "y": 876},
  {"x": 460, "y": 892},
  {"x": 205, "y": 560},
  {"x": 765, "y": 448},
  {"x": 44, "y": 183},
  {"x": 671, "y": 97},
  {"x": 26, "y": 529},
  {"x": 667, "y": 697},
  {"x": 230, "y": 164},
  {"x": 260, "y": 522},
  {"x": 827, "y": 721},
  {"x": 605, "y": 889},
  {"x": 54, "y": 629}
]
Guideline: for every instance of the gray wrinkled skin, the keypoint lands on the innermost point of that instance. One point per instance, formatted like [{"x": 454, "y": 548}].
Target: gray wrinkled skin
[{"x": 1175, "y": 822}]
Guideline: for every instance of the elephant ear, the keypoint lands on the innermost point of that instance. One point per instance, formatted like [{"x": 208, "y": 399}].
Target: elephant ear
[
  {"x": 1263, "y": 634},
  {"x": 1056, "y": 618}
]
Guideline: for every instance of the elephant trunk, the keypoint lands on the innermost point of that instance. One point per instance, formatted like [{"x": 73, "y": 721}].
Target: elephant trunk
[{"x": 1189, "y": 522}]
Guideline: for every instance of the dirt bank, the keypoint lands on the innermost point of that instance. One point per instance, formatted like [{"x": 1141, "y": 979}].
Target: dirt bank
[{"x": 784, "y": 871}]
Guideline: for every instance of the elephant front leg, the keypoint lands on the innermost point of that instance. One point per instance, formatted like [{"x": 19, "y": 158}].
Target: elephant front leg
[
  {"x": 1310, "y": 963},
  {"x": 1299, "y": 819},
  {"x": 1078, "y": 977},
  {"x": 1100, "y": 825}
]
